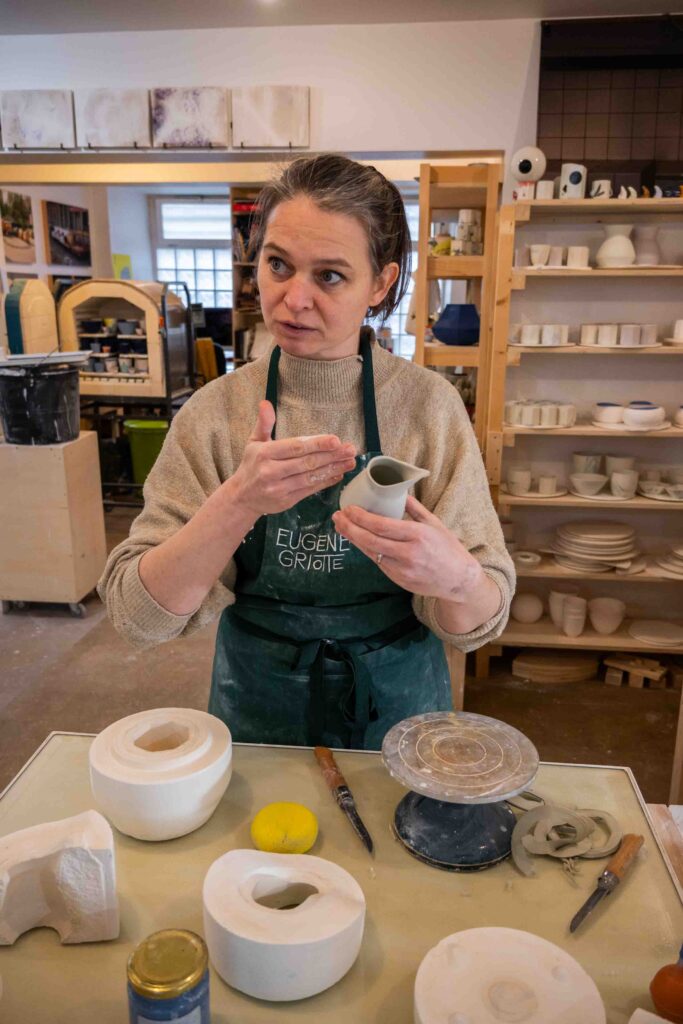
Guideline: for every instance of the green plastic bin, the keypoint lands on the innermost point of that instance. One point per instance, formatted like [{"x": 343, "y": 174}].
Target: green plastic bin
[{"x": 146, "y": 439}]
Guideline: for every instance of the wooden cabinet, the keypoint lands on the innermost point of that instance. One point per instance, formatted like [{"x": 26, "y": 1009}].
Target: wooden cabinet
[
  {"x": 583, "y": 376},
  {"x": 52, "y": 542}
]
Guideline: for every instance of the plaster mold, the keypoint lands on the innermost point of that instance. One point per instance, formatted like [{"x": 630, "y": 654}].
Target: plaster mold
[
  {"x": 490, "y": 975},
  {"x": 60, "y": 875},
  {"x": 161, "y": 773},
  {"x": 281, "y": 927}
]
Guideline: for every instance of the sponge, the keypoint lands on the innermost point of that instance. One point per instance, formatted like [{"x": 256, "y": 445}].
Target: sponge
[{"x": 284, "y": 828}]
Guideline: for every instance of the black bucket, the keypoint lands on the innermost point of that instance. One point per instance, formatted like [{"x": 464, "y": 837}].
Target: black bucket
[{"x": 39, "y": 404}]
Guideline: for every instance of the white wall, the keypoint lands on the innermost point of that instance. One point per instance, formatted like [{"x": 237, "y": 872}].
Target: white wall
[
  {"x": 449, "y": 85},
  {"x": 129, "y": 228}
]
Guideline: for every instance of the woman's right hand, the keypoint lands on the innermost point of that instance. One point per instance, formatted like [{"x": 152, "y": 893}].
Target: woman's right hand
[{"x": 275, "y": 475}]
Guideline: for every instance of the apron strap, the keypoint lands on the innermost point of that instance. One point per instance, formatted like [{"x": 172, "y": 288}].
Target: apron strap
[{"x": 372, "y": 438}]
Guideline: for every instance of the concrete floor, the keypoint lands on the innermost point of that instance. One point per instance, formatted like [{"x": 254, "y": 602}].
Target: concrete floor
[{"x": 60, "y": 673}]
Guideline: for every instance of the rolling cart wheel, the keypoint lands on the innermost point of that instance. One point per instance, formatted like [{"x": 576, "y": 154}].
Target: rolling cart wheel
[
  {"x": 7, "y": 607},
  {"x": 78, "y": 610}
]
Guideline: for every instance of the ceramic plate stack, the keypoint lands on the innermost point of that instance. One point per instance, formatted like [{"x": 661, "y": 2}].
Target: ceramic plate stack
[
  {"x": 551, "y": 667},
  {"x": 672, "y": 561},
  {"x": 597, "y": 547},
  {"x": 657, "y": 632}
]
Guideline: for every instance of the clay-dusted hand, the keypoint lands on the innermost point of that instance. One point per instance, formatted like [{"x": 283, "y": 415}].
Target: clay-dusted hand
[
  {"x": 420, "y": 554},
  {"x": 275, "y": 475}
]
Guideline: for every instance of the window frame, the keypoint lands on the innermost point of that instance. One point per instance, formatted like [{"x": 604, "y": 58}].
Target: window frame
[{"x": 159, "y": 242}]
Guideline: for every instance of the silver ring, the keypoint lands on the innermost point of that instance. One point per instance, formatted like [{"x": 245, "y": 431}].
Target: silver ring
[{"x": 379, "y": 556}]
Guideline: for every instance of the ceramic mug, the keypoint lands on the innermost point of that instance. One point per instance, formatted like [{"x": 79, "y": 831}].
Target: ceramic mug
[
  {"x": 586, "y": 462},
  {"x": 629, "y": 335},
  {"x": 539, "y": 255},
  {"x": 573, "y": 181},
  {"x": 619, "y": 463},
  {"x": 547, "y": 483},
  {"x": 512, "y": 412},
  {"x": 623, "y": 484},
  {"x": 601, "y": 188},
  {"x": 608, "y": 412},
  {"x": 577, "y": 256},
  {"x": 551, "y": 334},
  {"x": 589, "y": 334},
  {"x": 607, "y": 334},
  {"x": 556, "y": 601},
  {"x": 530, "y": 414},
  {"x": 678, "y": 330},
  {"x": 545, "y": 189},
  {"x": 648, "y": 334},
  {"x": 566, "y": 415},
  {"x": 530, "y": 334},
  {"x": 556, "y": 256},
  {"x": 519, "y": 481}
]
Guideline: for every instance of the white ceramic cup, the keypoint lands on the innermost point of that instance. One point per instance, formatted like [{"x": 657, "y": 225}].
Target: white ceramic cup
[
  {"x": 513, "y": 412},
  {"x": 574, "y": 615},
  {"x": 545, "y": 189},
  {"x": 678, "y": 330},
  {"x": 601, "y": 188},
  {"x": 551, "y": 334},
  {"x": 577, "y": 256},
  {"x": 539, "y": 255},
  {"x": 515, "y": 333},
  {"x": 651, "y": 475},
  {"x": 547, "y": 483},
  {"x": 530, "y": 414},
  {"x": 530, "y": 334},
  {"x": 556, "y": 601},
  {"x": 623, "y": 484},
  {"x": 606, "y": 614},
  {"x": 564, "y": 333},
  {"x": 566, "y": 415},
  {"x": 629, "y": 335},
  {"x": 589, "y": 334},
  {"x": 648, "y": 334},
  {"x": 556, "y": 256},
  {"x": 607, "y": 334},
  {"x": 519, "y": 481},
  {"x": 619, "y": 463},
  {"x": 549, "y": 414},
  {"x": 586, "y": 462},
  {"x": 678, "y": 416},
  {"x": 608, "y": 412}
]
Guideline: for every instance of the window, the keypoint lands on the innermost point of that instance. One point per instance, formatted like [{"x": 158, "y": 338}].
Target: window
[{"x": 194, "y": 245}]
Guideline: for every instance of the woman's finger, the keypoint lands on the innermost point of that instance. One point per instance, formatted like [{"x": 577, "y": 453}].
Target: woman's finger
[
  {"x": 319, "y": 477},
  {"x": 316, "y": 462},
  {"x": 381, "y": 526},
  {"x": 369, "y": 543},
  {"x": 418, "y": 513},
  {"x": 298, "y": 447},
  {"x": 264, "y": 423}
]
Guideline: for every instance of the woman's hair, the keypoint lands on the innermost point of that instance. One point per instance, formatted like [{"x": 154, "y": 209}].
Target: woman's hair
[{"x": 339, "y": 185}]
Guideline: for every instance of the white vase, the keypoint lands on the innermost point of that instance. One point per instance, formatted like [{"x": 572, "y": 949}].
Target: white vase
[
  {"x": 617, "y": 249},
  {"x": 647, "y": 250}
]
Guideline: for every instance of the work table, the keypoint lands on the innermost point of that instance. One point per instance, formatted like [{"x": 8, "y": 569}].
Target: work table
[{"x": 410, "y": 906}]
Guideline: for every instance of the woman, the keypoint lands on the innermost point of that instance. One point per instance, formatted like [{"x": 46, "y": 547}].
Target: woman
[{"x": 330, "y": 620}]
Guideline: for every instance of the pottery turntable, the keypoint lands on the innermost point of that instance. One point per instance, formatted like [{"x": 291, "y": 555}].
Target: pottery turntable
[{"x": 460, "y": 768}]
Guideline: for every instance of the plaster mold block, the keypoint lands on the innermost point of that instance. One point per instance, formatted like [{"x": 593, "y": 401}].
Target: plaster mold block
[
  {"x": 281, "y": 926},
  {"x": 60, "y": 875},
  {"x": 490, "y": 975},
  {"x": 161, "y": 774}
]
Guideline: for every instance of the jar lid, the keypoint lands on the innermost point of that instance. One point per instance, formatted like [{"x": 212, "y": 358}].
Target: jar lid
[{"x": 167, "y": 963}]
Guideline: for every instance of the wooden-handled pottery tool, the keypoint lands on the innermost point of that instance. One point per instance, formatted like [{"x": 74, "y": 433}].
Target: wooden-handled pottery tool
[
  {"x": 613, "y": 874},
  {"x": 342, "y": 794}
]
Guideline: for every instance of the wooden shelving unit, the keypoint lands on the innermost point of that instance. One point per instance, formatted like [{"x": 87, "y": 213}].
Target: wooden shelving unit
[
  {"x": 583, "y": 376},
  {"x": 244, "y": 315},
  {"x": 453, "y": 188}
]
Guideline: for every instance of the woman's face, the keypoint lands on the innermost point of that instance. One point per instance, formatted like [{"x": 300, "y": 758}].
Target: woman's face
[{"x": 316, "y": 280}]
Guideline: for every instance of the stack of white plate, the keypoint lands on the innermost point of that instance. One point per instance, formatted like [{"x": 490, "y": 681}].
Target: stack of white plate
[
  {"x": 672, "y": 561},
  {"x": 597, "y": 547},
  {"x": 657, "y": 632}
]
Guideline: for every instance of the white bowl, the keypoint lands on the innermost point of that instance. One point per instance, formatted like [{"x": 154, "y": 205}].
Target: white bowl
[
  {"x": 652, "y": 488},
  {"x": 588, "y": 484},
  {"x": 606, "y": 614},
  {"x": 608, "y": 412},
  {"x": 161, "y": 773},
  {"x": 675, "y": 491},
  {"x": 644, "y": 417}
]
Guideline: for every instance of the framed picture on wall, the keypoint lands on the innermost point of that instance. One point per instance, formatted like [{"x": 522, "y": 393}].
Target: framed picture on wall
[
  {"x": 18, "y": 235},
  {"x": 67, "y": 234}
]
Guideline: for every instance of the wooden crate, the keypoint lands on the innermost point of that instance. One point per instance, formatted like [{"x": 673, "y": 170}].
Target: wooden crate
[{"x": 52, "y": 542}]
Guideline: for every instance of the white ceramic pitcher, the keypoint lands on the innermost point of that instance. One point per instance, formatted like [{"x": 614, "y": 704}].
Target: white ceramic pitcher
[{"x": 382, "y": 487}]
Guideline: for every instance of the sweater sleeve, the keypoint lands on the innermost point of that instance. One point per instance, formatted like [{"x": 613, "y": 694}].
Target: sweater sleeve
[
  {"x": 457, "y": 492},
  {"x": 181, "y": 480}
]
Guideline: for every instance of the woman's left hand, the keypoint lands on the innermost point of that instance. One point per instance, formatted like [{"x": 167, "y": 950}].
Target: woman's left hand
[{"x": 419, "y": 554}]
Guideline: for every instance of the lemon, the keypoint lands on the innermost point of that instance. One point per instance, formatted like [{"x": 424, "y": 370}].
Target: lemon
[{"x": 284, "y": 828}]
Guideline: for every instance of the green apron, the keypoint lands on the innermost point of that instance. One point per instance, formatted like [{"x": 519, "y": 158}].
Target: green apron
[{"x": 320, "y": 647}]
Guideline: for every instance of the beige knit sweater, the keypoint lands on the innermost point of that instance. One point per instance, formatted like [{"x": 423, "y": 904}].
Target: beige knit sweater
[{"x": 421, "y": 419}]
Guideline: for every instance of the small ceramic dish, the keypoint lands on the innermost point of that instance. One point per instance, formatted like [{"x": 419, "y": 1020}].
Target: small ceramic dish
[
  {"x": 526, "y": 559},
  {"x": 588, "y": 484},
  {"x": 674, "y": 491},
  {"x": 651, "y": 488}
]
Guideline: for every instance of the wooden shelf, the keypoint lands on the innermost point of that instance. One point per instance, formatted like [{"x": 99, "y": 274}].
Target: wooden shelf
[
  {"x": 550, "y": 570},
  {"x": 585, "y": 430},
  {"x": 454, "y": 267},
  {"x": 515, "y": 352},
  {"x": 621, "y": 207},
  {"x": 519, "y": 275},
  {"x": 572, "y": 501},
  {"x": 545, "y": 634},
  {"x": 452, "y": 355}
]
